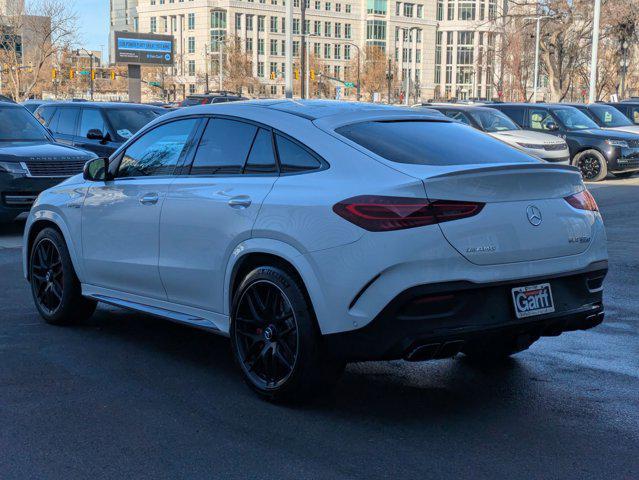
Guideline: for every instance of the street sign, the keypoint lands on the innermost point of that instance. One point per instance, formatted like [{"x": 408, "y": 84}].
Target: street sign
[
  {"x": 143, "y": 48},
  {"x": 155, "y": 84},
  {"x": 349, "y": 84}
]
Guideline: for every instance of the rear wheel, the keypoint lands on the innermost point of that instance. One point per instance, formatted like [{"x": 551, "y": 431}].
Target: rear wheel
[
  {"x": 592, "y": 165},
  {"x": 498, "y": 349},
  {"x": 54, "y": 284},
  {"x": 275, "y": 339}
]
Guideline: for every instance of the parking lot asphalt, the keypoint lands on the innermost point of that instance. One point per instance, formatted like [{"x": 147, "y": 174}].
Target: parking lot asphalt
[{"x": 129, "y": 396}]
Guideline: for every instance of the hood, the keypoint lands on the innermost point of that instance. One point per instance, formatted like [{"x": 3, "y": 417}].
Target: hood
[
  {"x": 26, "y": 151},
  {"x": 602, "y": 134},
  {"x": 527, "y": 136},
  {"x": 627, "y": 129}
]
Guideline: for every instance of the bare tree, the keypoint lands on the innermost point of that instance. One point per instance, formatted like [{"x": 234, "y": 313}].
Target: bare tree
[
  {"x": 238, "y": 66},
  {"x": 373, "y": 71},
  {"x": 33, "y": 35}
]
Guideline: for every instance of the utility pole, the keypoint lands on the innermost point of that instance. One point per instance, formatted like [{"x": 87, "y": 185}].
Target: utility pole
[
  {"x": 288, "y": 72},
  {"x": 624, "y": 67},
  {"x": 207, "y": 61},
  {"x": 303, "y": 63},
  {"x": 389, "y": 77},
  {"x": 592, "y": 98},
  {"x": 91, "y": 73},
  {"x": 221, "y": 69}
]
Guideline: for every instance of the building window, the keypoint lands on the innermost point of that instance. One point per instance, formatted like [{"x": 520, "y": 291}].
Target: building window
[
  {"x": 451, "y": 10},
  {"x": 218, "y": 29},
  {"x": 249, "y": 23},
  {"x": 260, "y": 46},
  {"x": 420, "y": 11},
  {"x": 466, "y": 11},
  {"x": 327, "y": 50},
  {"x": 154, "y": 25},
  {"x": 191, "y": 45},
  {"x": 296, "y": 26},
  {"x": 440, "y": 10},
  {"x": 375, "y": 30},
  {"x": 260, "y": 69},
  {"x": 191, "y": 88},
  {"x": 317, "y": 27},
  {"x": 191, "y": 66},
  {"x": 191, "y": 21},
  {"x": 348, "y": 31},
  {"x": 238, "y": 21},
  {"x": 348, "y": 8},
  {"x": 296, "y": 48},
  {"x": 327, "y": 29},
  {"x": 376, "y": 7},
  {"x": 347, "y": 52},
  {"x": 408, "y": 10},
  {"x": 338, "y": 30},
  {"x": 260, "y": 23},
  {"x": 249, "y": 45},
  {"x": 273, "y": 50},
  {"x": 337, "y": 52}
]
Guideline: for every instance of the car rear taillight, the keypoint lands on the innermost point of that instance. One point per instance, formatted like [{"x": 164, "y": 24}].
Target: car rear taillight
[
  {"x": 583, "y": 201},
  {"x": 381, "y": 214}
]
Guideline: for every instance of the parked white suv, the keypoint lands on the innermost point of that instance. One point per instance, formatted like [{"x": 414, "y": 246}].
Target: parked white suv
[
  {"x": 499, "y": 125},
  {"x": 317, "y": 233}
]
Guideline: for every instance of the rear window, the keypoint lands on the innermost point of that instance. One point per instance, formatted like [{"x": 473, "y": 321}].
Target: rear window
[{"x": 431, "y": 143}]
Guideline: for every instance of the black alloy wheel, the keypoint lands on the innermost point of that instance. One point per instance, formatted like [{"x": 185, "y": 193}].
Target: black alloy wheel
[
  {"x": 266, "y": 334},
  {"x": 589, "y": 166},
  {"x": 47, "y": 276}
]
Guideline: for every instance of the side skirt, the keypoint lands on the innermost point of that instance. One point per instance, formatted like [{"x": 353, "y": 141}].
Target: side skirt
[{"x": 204, "y": 319}]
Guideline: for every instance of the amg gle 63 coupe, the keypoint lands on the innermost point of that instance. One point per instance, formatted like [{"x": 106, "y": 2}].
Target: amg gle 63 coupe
[{"x": 316, "y": 233}]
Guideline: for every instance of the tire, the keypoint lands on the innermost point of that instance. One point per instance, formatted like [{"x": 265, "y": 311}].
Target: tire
[
  {"x": 624, "y": 174},
  {"x": 498, "y": 349},
  {"x": 275, "y": 338},
  {"x": 54, "y": 284},
  {"x": 592, "y": 164}
]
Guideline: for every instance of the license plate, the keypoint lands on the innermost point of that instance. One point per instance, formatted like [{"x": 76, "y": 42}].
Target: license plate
[{"x": 533, "y": 300}]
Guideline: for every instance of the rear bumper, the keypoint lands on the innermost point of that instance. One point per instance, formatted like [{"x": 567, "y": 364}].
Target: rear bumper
[{"x": 437, "y": 320}]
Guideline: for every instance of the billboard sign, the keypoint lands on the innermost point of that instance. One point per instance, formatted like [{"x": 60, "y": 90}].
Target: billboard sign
[{"x": 143, "y": 48}]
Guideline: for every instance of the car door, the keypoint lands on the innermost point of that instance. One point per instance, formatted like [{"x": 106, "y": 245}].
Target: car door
[
  {"x": 542, "y": 120},
  {"x": 121, "y": 217},
  {"x": 208, "y": 212},
  {"x": 92, "y": 122},
  {"x": 64, "y": 124}
]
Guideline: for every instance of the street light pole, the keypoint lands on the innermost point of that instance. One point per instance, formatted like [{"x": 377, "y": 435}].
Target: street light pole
[
  {"x": 91, "y": 73},
  {"x": 538, "y": 19},
  {"x": 359, "y": 61},
  {"x": 592, "y": 98},
  {"x": 288, "y": 72},
  {"x": 624, "y": 67}
]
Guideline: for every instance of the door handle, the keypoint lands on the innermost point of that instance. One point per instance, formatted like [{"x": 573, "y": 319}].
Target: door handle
[
  {"x": 149, "y": 199},
  {"x": 242, "y": 201}
]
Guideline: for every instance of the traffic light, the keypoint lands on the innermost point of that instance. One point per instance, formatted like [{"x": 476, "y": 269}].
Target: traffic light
[
  {"x": 272, "y": 75},
  {"x": 112, "y": 74},
  {"x": 92, "y": 74},
  {"x": 312, "y": 74},
  {"x": 71, "y": 74},
  {"x": 297, "y": 74},
  {"x": 54, "y": 74}
]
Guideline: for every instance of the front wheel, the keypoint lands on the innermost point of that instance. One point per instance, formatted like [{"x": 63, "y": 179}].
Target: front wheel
[
  {"x": 275, "y": 339},
  {"x": 54, "y": 284},
  {"x": 592, "y": 164}
]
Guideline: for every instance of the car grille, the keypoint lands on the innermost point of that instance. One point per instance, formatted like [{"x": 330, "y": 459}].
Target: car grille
[
  {"x": 553, "y": 147},
  {"x": 54, "y": 169},
  {"x": 633, "y": 143}
]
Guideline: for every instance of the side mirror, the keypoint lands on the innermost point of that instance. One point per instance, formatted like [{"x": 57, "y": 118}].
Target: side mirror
[
  {"x": 96, "y": 170},
  {"x": 551, "y": 126},
  {"x": 95, "y": 134}
]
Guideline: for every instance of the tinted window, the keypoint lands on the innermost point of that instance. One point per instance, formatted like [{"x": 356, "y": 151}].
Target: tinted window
[
  {"x": 458, "y": 116},
  {"x": 224, "y": 147},
  {"x": 18, "y": 125},
  {"x": 91, "y": 120},
  {"x": 609, "y": 116},
  {"x": 158, "y": 151},
  {"x": 540, "y": 119},
  {"x": 261, "y": 158},
  {"x": 294, "y": 158},
  {"x": 44, "y": 115},
  {"x": 67, "y": 120},
  {"x": 573, "y": 119},
  {"x": 493, "y": 121},
  {"x": 127, "y": 121},
  {"x": 431, "y": 143},
  {"x": 634, "y": 114},
  {"x": 515, "y": 113}
]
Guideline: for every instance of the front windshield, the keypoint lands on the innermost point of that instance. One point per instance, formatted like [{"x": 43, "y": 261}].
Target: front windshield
[
  {"x": 493, "y": 121},
  {"x": 573, "y": 119},
  {"x": 609, "y": 116},
  {"x": 127, "y": 121},
  {"x": 18, "y": 125}
]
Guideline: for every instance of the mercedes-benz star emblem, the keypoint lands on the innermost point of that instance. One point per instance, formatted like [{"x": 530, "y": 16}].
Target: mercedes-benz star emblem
[{"x": 534, "y": 215}]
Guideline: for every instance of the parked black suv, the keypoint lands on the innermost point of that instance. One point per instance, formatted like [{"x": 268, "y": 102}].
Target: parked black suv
[
  {"x": 95, "y": 126},
  {"x": 216, "y": 97},
  {"x": 30, "y": 160},
  {"x": 595, "y": 151},
  {"x": 607, "y": 117},
  {"x": 630, "y": 108}
]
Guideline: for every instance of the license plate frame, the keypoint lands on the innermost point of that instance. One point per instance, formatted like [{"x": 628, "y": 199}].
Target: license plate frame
[{"x": 533, "y": 300}]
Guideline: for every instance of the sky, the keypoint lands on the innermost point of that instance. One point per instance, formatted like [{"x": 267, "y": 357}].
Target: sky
[{"x": 93, "y": 21}]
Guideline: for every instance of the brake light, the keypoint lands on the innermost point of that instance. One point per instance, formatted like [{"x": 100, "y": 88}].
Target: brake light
[
  {"x": 583, "y": 201},
  {"x": 381, "y": 214}
]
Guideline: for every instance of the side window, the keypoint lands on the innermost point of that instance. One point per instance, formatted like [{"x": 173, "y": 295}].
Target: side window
[
  {"x": 223, "y": 148},
  {"x": 294, "y": 158},
  {"x": 157, "y": 152},
  {"x": 67, "y": 121},
  {"x": 634, "y": 115},
  {"x": 516, "y": 115},
  {"x": 44, "y": 115},
  {"x": 261, "y": 159},
  {"x": 458, "y": 116},
  {"x": 91, "y": 120},
  {"x": 540, "y": 119}
]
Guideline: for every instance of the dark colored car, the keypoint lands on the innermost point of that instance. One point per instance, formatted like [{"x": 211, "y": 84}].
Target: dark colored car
[
  {"x": 593, "y": 150},
  {"x": 30, "y": 160},
  {"x": 607, "y": 117},
  {"x": 206, "y": 99},
  {"x": 95, "y": 126},
  {"x": 630, "y": 108}
]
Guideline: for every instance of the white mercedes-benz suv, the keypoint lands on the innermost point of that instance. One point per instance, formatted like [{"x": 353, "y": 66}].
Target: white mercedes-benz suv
[{"x": 316, "y": 233}]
